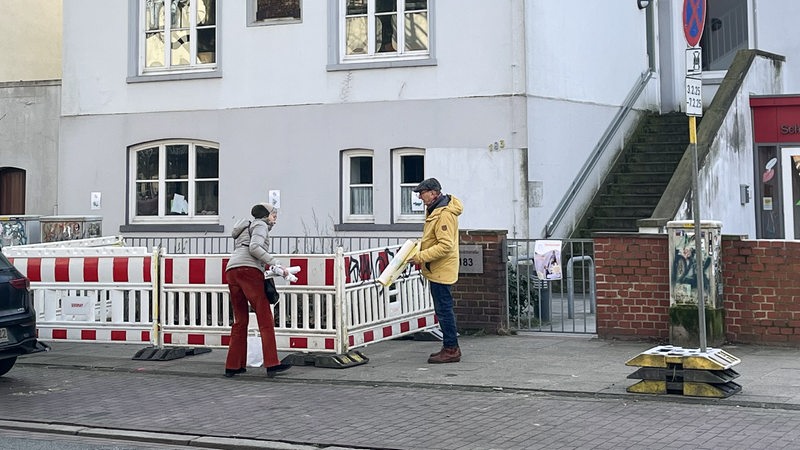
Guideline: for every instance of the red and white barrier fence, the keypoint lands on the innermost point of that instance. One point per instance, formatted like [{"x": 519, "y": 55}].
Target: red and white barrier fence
[{"x": 112, "y": 294}]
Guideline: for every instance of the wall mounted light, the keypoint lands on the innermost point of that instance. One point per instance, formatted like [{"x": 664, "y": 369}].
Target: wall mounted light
[{"x": 642, "y": 4}]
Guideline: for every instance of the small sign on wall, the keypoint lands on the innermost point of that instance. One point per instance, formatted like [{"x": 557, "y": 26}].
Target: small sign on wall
[{"x": 470, "y": 259}]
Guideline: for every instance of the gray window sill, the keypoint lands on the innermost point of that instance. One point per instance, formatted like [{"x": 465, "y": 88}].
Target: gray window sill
[
  {"x": 217, "y": 73},
  {"x": 382, "y": 64},
  {"x": 374, "y": 227},
  {"x": 176, "y": 228}
]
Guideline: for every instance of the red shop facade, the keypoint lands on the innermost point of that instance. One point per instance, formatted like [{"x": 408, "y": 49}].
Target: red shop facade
[{"x": 776, "y": 132}]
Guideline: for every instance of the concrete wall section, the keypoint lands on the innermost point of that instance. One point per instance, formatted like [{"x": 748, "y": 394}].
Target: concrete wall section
[
  {"x": 29, "y": 139},
  {"x": 297, "y": 150},
  {"x": 730, "y": 159},
  {"x": 281, "y": 64}
]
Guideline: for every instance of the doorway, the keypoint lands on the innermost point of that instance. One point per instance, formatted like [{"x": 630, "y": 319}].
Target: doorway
[{"x": 12, "y": 191}]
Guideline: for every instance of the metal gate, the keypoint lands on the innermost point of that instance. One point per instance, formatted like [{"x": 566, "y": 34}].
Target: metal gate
[{"x": 551, "y": 285}]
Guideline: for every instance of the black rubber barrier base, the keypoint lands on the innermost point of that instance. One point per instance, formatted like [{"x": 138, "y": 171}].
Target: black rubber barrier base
[
  {"x": 341, "y": 361},
  {"x": 168, "y": 353}
]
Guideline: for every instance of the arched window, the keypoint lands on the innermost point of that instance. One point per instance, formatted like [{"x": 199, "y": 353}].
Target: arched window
[{"x": 174, "y": 181}]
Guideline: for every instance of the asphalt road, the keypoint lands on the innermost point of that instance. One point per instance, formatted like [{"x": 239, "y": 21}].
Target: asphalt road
[{"x": 364, "y": 415}]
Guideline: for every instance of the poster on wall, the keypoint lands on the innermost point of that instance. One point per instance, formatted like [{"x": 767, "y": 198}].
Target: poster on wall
[{"x": 547, "y": 259}]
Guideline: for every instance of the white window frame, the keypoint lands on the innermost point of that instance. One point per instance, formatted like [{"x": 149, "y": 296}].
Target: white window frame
[
  {"x": 193, "y": 65},
  {"x": 252, "y": 9},
  {"x": 371, "y": 54},
  {"x": 163, "y": 217},
  {"x": 347, "y": 217},
  {"x": 397, "y": 186}
]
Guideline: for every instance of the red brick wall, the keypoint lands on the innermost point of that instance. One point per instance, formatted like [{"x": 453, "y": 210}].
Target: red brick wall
[
  {"x": 632, "y": 286},
  {"x": 761, "y": 289},
  {"x": 480, "y": 299}
]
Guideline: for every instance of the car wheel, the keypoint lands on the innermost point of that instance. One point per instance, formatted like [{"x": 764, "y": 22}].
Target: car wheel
[{"x": 6, "y": 365}]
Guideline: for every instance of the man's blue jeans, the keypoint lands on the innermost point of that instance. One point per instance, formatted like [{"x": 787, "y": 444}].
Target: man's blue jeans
[{"x": 443, "y": 306}]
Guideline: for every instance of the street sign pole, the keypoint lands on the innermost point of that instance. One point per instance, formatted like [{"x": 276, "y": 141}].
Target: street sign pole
[
  {"x": 698, "y": 239},
  {"x": 694, "y": 17}
]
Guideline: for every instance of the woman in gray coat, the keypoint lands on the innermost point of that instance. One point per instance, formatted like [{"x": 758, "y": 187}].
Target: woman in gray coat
[{"x": 245, "y": 275}]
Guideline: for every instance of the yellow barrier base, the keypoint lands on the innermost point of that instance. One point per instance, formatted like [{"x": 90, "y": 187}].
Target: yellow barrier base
[{"x": 675, "y": 370}]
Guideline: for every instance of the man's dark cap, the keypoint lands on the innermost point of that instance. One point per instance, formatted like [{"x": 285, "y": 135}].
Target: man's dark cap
[{"x": 430, "y": 184}]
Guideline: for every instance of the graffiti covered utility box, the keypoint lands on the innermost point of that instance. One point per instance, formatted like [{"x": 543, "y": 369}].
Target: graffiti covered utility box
[
  {"x": 684, "y": 266},
  {"x": 19, "y": 230},
  {"x": 67, "y": 228}
]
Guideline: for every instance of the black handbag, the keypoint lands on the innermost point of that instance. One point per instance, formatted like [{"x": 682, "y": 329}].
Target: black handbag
[{"x": 272, "y": 293}]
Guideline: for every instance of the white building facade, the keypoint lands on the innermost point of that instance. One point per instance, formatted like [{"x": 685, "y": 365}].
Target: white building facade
[{"x": 179, "y": 115}]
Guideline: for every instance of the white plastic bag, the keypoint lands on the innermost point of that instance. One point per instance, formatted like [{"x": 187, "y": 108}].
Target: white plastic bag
[{"x": 255, "y": 357}]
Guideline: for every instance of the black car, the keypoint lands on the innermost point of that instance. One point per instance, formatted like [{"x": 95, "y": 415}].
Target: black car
[{"x": 17, "y": 317}]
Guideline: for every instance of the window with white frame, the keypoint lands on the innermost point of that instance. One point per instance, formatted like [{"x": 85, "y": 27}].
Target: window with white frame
[
  {"x": 380, "y": 29},
  {"x": 408, "y": 170},
  {"x": 358, "y": 186},
  {"x": 267, "y": 12},
  {"x": 177, "y": 35},
  {"x": 174, "y": 181}
]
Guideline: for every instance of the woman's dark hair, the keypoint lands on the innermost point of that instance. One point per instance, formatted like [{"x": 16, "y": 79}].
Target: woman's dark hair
[{"x": 259, "y": 211}]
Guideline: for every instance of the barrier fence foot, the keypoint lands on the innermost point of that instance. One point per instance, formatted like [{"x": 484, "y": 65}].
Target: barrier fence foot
[
  {"x": 167, "y": 354},
  {"x": 340, "y": 361}
]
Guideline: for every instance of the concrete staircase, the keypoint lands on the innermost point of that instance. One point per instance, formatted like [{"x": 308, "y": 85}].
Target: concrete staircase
[{"x": 635, "y": 184}]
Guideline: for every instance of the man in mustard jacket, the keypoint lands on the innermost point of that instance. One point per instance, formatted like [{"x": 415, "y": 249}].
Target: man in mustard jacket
[{"x": 438, "y": 257}]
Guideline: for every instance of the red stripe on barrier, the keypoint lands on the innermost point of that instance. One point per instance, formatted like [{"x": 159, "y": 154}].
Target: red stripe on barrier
[
  {"x": 369, "y": 336},
  {"x": 422, "y": 322},
  {"x": 197, "y": 271},
  {"x": 146, "y": 270},
  {"x": 34, "y": 271},
  {"x": 224, "y": 268},
  {"x": 119, "y": 335},
  {"x": 61, "y": 270},
  {"x": 225, "y": 340},
  {"x": 329, "y": 270},
  {"x": 297, "y": 342},
  {"x": 351, "y": 340},
  {"x": 387, "y": 331},
  {"x": 59, "y": 334},
  {"x": 302, "y": 276},
  {"x": 347, "y": 266},
  {"x": 196, "y": 339},
  {"x": 329, "y": 344},
  {"x": 88, "y": 335},
  {"x": 90, "y": 269},
  {"x": 168, "y": 338},
  {"x": 435, "y": 319},
  {"x": 145, "y": 336},
  {"x": 120, "y": 270},
  {"x": 404, "y": 326},
  {"x": 168, "y": 270}
]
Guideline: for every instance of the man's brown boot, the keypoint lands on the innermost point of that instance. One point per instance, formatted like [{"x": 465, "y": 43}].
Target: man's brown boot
[
  {"x": 448, "y": 355},
  {"x": 437, "y": 353}
]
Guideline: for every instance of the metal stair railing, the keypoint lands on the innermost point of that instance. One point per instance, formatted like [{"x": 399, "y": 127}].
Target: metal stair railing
[{"x": 597, "y": 152}]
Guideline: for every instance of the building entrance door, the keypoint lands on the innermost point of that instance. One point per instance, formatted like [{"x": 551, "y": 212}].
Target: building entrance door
[
  {"x": 12, "y": 191},
  {"x": 790, "y": 174}
]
